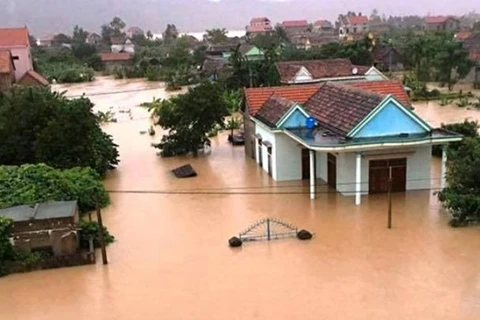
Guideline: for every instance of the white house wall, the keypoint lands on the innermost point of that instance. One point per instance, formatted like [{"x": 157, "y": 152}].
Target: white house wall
[
  {"x": 266, "y": 135},
  {"x": 322, "y": 166},
  {"x": 288, "y": 159},
  {"x": 374, "y": 75},
  {"x": 418, "y": 171}
]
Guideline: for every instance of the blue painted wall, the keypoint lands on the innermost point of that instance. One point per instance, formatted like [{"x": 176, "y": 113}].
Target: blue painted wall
[
  {"x": 296, "y": 120},
  {"x": 388, "y": 122}
]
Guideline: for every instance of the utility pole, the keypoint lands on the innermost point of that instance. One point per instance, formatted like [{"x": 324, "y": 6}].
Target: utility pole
[
  {"x": 389, "y": 197},
  {"x": 100, "y": 232}
]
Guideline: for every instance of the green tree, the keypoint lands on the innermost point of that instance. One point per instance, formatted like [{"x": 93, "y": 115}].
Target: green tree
[
  {"x": 60, "y": 39},
  {"x": 462, "y": 195},
  {"x": 216, "y": 35},
  {"x": 79, "y": 35},
  {"x": 170, "y": 34},
  {"x": 451, "y": 62},
  {"x": 113, "y": 29},
  {"x": 189, "y": 117},
  {"x": 40, "y": 126},
  {"x": 30, "y": 184},
  {"x": 6, "y": 248}
]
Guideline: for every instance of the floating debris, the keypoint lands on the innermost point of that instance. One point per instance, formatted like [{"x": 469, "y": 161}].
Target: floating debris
[{"x": 185, "y": 171}]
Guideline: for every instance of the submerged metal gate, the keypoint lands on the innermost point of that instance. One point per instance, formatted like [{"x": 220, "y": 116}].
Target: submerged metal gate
[{"x": 268, "y": 229}]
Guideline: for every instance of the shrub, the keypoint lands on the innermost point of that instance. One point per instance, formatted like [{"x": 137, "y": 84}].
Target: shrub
[
  {"x": 90, "y": 230},
  {"x": 30, "y": 184}
]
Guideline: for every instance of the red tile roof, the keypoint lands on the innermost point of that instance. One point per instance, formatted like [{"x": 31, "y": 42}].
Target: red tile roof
[
  {"x": 294, "y": 23},
  {"x": 114, "y": 56},
  {"x": 435, "y": 19},
  {"x": 35, "y": 76},
  {"x": 385, "y": 87},
  {"x": 256, "y": 97},
  {"x": 357, "y": 19},
  {"x": 340, "y": 108},
  {"x": 462, "y": 35},
  {"x": 259, "y": 29},
  {"x": 319, "y": 69},
  {"x": 273, "y": 110},
  {"x": 319, "y": 23},
  {"x": 259, "y": 19},
  {"x": 6, "y": 62},
  {"x": 14, "y": 37}
]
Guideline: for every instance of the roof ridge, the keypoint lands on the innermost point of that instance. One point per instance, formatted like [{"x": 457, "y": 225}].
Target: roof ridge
[{"x": 355, "y": 89}]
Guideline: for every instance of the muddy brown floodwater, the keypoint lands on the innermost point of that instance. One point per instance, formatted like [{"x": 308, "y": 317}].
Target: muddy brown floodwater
[{"x": 172, "y": 261}]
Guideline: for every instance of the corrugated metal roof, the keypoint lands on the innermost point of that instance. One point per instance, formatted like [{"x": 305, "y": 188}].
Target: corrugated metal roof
[{"x": 46, "y": 210}]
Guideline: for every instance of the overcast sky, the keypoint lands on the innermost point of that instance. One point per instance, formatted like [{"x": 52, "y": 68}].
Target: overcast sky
[{"x": 50, "y": 16}]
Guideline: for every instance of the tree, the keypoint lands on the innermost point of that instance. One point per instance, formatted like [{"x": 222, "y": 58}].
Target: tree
[
  {"x": 113, "y": 29},
  {"x": 188, "y": 118},
  {"x": 6, "y": 248},
  {"x": 451, "y": 62},
  {"x": 40, "y": 126},
  {"x": 170, "y": 34},
  {"x": 60, "y": 39},
  {"x": 34, "y": 183},
  {"x": 462, "y": 195},
  {"x": 79, "y": 35},
  {"x": 216, "y": 35}
]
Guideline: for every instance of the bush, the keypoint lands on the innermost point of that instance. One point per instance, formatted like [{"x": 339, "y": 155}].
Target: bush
[
  {"x": 466, "y": 129},
  {"x": 40, "y": 126},
  {"x": 6, "y": 249},
  {"x": 67, "y": 73},
  {"x": 30, "y": 184},
  {"x": 90, "y": 230}
]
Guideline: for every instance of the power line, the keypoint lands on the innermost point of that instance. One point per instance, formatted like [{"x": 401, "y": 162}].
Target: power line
[{"x": 112, "y": 92}]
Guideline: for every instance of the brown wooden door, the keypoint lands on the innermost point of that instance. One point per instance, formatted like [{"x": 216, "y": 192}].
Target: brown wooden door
[
  {"x": 379, "y": 172},
  {"x": 332, "y": 171},
  {"x": 305, "y": 164}
]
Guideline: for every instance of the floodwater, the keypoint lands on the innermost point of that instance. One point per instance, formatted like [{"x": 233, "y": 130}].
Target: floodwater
[{"x": 172, "y": 261}]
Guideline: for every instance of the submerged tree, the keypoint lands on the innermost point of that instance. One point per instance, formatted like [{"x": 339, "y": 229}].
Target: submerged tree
[
  {"x": 188, "y": 119},
  {"x": 40, "y": 126},
  {"x": 216, "y": 35},
  {"x": 462, "y": 195}
]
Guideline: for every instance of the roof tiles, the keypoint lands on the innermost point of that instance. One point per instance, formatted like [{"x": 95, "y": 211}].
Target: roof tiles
[
  {"x": 256, "y": 97},
  {"x": 14, "y": 37},
  {"x": 274, "y": 109},
  {"x": 384, "y": 88}
]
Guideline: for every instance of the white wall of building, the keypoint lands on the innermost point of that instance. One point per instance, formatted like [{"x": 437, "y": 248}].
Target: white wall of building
[
  {"x": 418, "y": 171},
  {"x": 266, "y": 135},
  {"x": 24, "y": 62},
  {"x": 374, "y": 75},
  {"x": 288, "y": 159},
  {"x": 322, "y": 166}
]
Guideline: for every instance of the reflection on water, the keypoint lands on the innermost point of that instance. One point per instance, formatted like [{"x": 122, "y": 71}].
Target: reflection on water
[{"x": 172, "y": 261}]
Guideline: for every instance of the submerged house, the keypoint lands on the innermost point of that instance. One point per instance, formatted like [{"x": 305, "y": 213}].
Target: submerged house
[
  {"x": 312, "y": 71},
  {"x": 49, "y": 226},
  {"x": 353, "y": 137}
]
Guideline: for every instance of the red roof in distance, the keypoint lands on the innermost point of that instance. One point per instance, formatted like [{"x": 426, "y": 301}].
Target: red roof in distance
[
  {"x": 294, "y": 23},
  {"x": 115, "y": 56},
  {"x": 385, "y": 87},
  {"x": 357, "y": 19},
  {"x": 259, "y": 19},
  {"x": 436, "y": 19},
  {"x": 14, "y": 37}
]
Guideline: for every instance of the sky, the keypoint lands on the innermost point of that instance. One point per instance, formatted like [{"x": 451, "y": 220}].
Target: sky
[{"x": 45, "y": 17}]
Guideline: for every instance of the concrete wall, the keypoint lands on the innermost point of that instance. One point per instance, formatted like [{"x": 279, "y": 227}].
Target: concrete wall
[
  {"x": 418, "y": 171},
  {"x": 24, "y": 62},
  {"x": 249, "y": 132},
  {"x": 288, "y": 158},
  {"x": 266, "y": 135},
  {"x": 322, "y": 166},
  {"x": 374, "y": 75}
]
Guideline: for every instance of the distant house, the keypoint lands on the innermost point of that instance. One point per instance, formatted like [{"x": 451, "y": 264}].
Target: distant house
[
  {"x": 472, "y": 44},
  {"x": 215, "y": 68},
  {"x": 220, "y": 49},
  {"x": 122, "y": 44},
  {"x": 462, "y": 36},
  {"x": 113, "y": 60},
  {"x": 7, "y": 70},
  {"x": 310, "y": 40},
  {"x": 16, "y": 40},
  {"x": 46, "y": 41},
  {"x": 387, "y": 58},
  {"x": 247, "y": 51},
  {"x": 323, "y": 27},
  {"x": 352, "y": 25},
  {"x": 259, "y": 25},
  {"x": 94, "y": 39},
  {"x": 351, "y": 138},
  {"x": 295, "y": 26},
  {"x": 134, "y": 31},
  {"x": 327, "y": 70},
  {"x": 441, "y": 23},
  {"x": 49, "y": 226}
]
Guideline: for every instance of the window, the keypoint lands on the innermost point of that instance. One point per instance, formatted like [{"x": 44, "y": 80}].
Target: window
[{"x": 354, "y": 29}]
